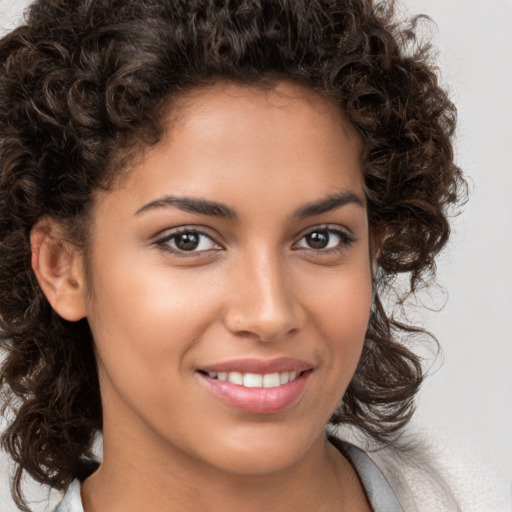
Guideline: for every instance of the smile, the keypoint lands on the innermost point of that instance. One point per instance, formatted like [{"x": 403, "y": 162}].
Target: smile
[
  {"x": 255, "y": 380},
  {"x": 258, "y": 386}
]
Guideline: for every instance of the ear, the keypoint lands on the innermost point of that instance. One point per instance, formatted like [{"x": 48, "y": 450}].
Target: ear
[{"x": 58, "y": 266}]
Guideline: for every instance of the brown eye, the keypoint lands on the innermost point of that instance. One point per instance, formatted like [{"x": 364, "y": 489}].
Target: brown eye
[
  {"x": 187, "y": 241},
  {"x": 317, "y": 239},
  {"x": 325, "y": 240}
]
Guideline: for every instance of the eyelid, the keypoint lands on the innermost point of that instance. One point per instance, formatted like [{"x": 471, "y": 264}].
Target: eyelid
[
  {"x": 161, "y": 240},
  {"x": 326, "y": 227},
  {"x": 346, "y": 234}
]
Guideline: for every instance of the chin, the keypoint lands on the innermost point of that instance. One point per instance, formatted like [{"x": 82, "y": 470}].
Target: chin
[{"x": 263, "y": 453}]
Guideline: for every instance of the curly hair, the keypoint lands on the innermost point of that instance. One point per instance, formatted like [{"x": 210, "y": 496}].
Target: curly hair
[{"x": 83, "y": 81}]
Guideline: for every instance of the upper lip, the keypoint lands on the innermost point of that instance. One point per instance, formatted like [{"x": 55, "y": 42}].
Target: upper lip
[{"x": 255, "y": 365}]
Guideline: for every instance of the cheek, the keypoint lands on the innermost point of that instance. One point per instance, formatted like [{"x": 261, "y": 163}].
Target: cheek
[
  {"x": 340, "y": 311},
  {"x": 146, "y": 331},
  {"x": 146, "y": 317}
]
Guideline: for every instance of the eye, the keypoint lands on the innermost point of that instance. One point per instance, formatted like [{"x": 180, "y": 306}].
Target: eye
[
  {"x": 187, "y": 241},
  {"x": 325, "y": 239}
]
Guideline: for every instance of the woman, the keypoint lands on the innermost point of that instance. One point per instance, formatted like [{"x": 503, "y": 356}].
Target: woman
[{"x": 202, "y": 203}]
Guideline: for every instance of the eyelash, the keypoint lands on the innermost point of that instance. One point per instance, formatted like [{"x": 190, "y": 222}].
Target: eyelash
[
  {"x": 345, "y": 240},
  {"x": 163, "y": 243}
]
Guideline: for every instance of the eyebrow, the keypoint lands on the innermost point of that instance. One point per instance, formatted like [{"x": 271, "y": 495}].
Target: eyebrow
[
  {"x": 192, "y": 205},
  {"x": 332, "y": 202},
  {"x": 214, "y": 209}
]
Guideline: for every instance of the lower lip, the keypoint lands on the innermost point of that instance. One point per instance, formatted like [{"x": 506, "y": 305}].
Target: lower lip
[{"x": 258, "y": 400}]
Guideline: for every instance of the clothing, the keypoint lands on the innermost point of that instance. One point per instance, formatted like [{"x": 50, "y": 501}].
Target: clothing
[{"x": 379, "y": 492}]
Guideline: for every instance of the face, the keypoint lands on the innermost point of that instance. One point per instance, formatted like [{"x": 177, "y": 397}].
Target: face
[{"x": 230, "y": 281}]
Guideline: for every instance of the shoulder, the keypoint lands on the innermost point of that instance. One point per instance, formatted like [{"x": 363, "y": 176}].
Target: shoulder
[{"x": 409, "y": 470}]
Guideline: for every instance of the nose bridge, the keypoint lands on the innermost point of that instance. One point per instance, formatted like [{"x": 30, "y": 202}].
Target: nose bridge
[{"x": 263, "y": 302}]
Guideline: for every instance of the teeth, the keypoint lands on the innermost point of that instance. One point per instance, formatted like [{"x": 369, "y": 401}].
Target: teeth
[
  {"x": 271, "y": 380},
  {"x": 235, "y": 378},
  {"x": 255, "y": 380}
]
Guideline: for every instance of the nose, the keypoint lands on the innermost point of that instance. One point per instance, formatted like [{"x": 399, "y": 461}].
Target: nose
[{"x": 263, "y": 303}]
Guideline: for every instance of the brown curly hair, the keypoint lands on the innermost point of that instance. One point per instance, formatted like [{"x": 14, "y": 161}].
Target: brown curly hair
[{"x": 82, "y": 81}]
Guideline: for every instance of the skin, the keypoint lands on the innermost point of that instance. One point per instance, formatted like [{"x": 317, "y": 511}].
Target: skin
[{"x": 253, "y": 288}]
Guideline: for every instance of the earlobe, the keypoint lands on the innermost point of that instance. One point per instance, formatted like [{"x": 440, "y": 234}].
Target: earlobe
[{"x": 58, "y": 266}]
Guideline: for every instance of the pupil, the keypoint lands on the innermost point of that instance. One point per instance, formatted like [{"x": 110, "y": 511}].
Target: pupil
[
  {"x": 187, "y": 241},
  {"x": 318, "y": 239}
]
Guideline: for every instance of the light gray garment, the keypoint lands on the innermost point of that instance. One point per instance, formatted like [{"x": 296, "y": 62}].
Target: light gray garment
[{"x": 379, "y": 492}]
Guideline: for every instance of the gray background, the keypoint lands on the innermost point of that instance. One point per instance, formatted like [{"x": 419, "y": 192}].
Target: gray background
[{"x": 465, "y": 409}]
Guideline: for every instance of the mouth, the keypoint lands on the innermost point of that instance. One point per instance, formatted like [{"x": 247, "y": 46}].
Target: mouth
[
  {"x": 255, "y": 380},
  {"x": 258, "y": 386}
]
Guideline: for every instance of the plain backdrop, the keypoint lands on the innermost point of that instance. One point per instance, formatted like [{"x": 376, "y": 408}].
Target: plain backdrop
[{"x": 466, "y": 407}]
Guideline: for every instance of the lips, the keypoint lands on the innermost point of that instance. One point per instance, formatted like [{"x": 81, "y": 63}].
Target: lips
[{"x": 256, "y": 385}]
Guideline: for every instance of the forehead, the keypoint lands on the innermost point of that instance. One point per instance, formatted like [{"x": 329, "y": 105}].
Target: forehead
[
  {"x": 241, "y": 112},
  {"x": 227, "y": 141}
]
